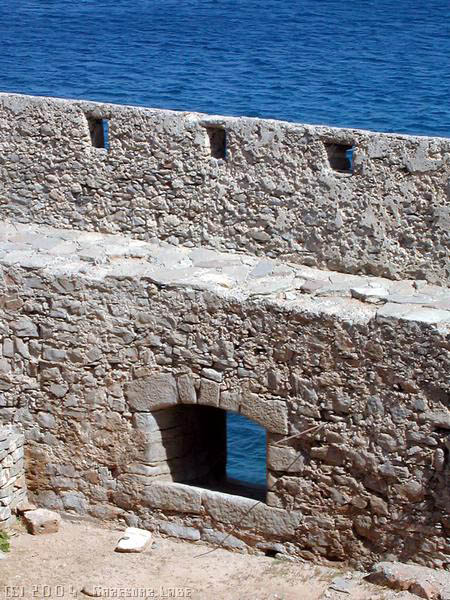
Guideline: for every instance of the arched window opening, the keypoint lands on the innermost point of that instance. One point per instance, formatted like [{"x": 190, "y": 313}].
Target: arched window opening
[{"x": 206, "y": 447}]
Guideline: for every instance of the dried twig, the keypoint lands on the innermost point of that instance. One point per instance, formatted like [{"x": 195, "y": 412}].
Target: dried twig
[{"x": 296, "y": 435}]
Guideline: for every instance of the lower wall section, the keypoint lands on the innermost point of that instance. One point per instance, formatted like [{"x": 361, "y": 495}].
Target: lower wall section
[
  {"x": 116, "y": 382},
  {"x": 12, "y": 476}
]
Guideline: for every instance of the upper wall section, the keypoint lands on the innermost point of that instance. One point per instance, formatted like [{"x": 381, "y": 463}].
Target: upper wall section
[{"x": 262, "y": 186}]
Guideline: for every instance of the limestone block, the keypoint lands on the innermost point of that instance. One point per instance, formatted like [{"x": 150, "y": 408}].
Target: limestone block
[
  {"x": 25, "y": 506},
  {"x": 284, "y": 459},
  {"x": 5, "y": 475},
  {"x": 209, "y": 393},
  {"x": 173, "y": 497},
  {"x": 24, "y": 327},
  {"x": 410, "y": 312},
  {"x": 156, "y": 421},
  {"x": 164, "y": 450},
  {"x": 49, "y": 499},
  {"x": 230, "y": 400},
  {"x": 5, "y": 513},
  {"x": 370, "y": 294},
  {"x": 180, "y": 531},
  {"x": 270, "y": 413},
  {"x": 134, "y": 540},
  {"x": 186, "y": 389},
  {"x": 46, "y": 420},
  {"x": 429, "y": 316},
  {"x": 276, "y": 522},
  {"x": 7, "y": 523},
  {"x": 6, "y": 491},
  {"x": 219, "y": 538},
  {"x": 247, "y": 513},
  {"x": 41, "y": 521},
  {"x": 152, "y": 393},
  {"x": 273, "y": 499},
  {"x": 54, "y": 354},
  {"x": 229, "y": 509},
  {"x": 438, "y": 418},
  {"x": 148, "y": 471},
  {"x": 74, "y": 501},
  {"x": 166, "y": 435},
  {"x": 212, "y": 374}
]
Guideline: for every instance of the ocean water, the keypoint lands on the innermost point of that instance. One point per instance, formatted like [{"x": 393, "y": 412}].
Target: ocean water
[
  {"x": 246, "y": 450},
  {"x": 374, "y": 64}
]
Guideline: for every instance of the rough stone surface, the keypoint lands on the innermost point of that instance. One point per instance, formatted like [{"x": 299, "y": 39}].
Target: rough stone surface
[
  {"x": 224, "y": 540},
  {"x": 186, "y": 390},
  {"x": 157, "y": 391},
  {"x": 41, "y": 521},
  {"x": 24, "y": 507},
  {"x": 431, "y": 584},
  {"x": 209, "y": 393},
  {"x": 343, "y": 585},
  {"x": 175, "y": 497}
]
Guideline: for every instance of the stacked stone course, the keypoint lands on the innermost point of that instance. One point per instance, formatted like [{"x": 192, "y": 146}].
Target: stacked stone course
[
  {"x": 13, "y": 490},
  {"x": 124, "y": 338}
]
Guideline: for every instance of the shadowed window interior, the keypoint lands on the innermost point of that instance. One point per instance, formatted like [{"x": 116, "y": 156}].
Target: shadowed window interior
[
  {"x": 340, "y": 157},
  {"x": 214, "y": 449},
  {"x": 99, "y": 131},
  {"x": 217, "y": 142}
]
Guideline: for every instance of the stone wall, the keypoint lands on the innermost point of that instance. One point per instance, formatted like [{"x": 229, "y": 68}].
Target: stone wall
[
  {"x": 107, "y": 340},
  {"x": 259, "y": 186},
  {"x": 12, "y": 475}
]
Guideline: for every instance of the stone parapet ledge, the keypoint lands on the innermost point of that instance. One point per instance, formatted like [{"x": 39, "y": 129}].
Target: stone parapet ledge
[{"x": 230, "y": 275}]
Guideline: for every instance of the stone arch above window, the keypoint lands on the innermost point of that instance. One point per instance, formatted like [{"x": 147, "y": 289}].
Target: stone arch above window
[{"x": 162, "y": 390}]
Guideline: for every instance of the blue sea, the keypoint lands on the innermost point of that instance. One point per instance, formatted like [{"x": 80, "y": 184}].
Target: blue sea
[{"x": 374, "y": 64}]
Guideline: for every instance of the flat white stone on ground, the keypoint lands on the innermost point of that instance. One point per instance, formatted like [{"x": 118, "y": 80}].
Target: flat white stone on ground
[{"x": 134, "y": 540}]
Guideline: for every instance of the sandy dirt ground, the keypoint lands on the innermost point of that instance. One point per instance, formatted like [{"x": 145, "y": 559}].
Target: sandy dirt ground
[{"x": 82, "y": 554}]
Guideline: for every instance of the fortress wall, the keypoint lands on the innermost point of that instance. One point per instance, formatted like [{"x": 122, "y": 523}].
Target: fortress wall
[
  {"x": 13, "y": 489},
  {"x": 264, "y": 187},
  {"x": 93, "y": 357}
]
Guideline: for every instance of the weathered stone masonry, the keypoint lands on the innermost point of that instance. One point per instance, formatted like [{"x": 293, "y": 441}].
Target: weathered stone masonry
[
  {"x": 100, "y": 359},
  {"x": 119, "y": 356},
  {"x": 13, "y": 491},
  {"x": 276, "y": 194}
]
